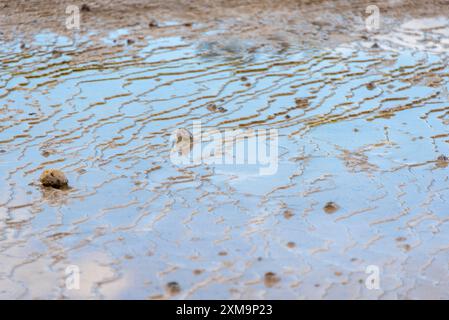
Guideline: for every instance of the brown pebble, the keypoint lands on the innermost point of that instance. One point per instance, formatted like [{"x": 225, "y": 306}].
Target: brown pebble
[
  {"x": 130, "y": 41},
  {"x": 338, "y": 273},
  {"x": 46, "y": 154},
  {"x": 54, "y": 178},
  {"x": 330, "y": 207},
  {"x": 288, "y": 214},
  {"x": 153, "y": 24},
  {"x": 443, "y": 158},
  {"x": 197, "y": 272},
  {"x": 291, "y": 244},
  {"x": 173, "y": 288},
  {"x": 244, "y": 78},
  {"x": 222, "y": 253},
  {"x": 85, "y": 8},
  {"x": 270, "y": 279},
  {"x": 401, "y": 239},
  {"x": 188, "y": 24}
]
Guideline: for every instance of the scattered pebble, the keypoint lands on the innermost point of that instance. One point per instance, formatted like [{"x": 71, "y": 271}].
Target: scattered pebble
[
  {"x": 291, "y": 245},
  {"x": 271, "y": 279},
  {"x": 221, "y": 109},
  {"x": 153, "y": 24},
  {"x": 244, "y": 78},
  {"x": 222, "y": 253},
  {"x": 212, "y": 107},
  {"x": 85, "y": 8},
  {"x": 288, "y": 214},
  {"x": 54, "y": 178},
  {"x": 184, "y": 141},
  {"x": 130, "y": 41},
  {"x": 2, "y": 151},
  {"x": 287, "y": 116},
  {"x": 401, "y": 239},
  {"x": 375, "y": 45},
  {"x": 338, "y": 273},
  {"x": 188, "y": 24},
  {"x": 330, "y": 207},
  {"x": 370, "y": 86},
  {"x": 173, "y": 288}
]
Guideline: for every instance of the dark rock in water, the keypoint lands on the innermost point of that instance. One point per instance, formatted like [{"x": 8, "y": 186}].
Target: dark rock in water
[
  {"x": 330, "y": 207},
  {"x": 2, "y": 151},
  {"x": 270, "y": 279},
  {"x": 54, "y": 178},
  {"x": 184, "y": 141},
  {"x": 443, "y": 158},
  {"x": 85, "y": 8},
  {"x": 212, "y": 107},
  {"x": 130, "y": 41},
  {"x": 287, "y": 116},
  {"x": 375, "y": 46},
  {"x": 173, "y": 288}
]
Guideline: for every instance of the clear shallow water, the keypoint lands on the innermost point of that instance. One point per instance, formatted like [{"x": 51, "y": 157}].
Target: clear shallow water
[{"x": 367, "y": 138}]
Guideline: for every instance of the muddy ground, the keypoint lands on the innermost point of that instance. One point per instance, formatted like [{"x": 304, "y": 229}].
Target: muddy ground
[{"x": 361, "y": 181}]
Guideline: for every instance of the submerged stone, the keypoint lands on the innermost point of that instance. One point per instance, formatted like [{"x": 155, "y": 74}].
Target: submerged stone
[
  {"x": 54, "y": 178},
  {"x": 330, "y": 207}
]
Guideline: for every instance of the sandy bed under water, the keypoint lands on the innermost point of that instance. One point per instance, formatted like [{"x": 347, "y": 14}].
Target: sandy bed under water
[{"x": 359, "y": 124}]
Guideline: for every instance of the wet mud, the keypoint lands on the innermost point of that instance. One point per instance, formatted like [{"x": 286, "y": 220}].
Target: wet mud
[{"x": 362, "y": 177}]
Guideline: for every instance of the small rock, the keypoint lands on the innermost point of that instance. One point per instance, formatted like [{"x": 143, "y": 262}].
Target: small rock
[
  {"x": 222, "y": 253},
  {"x": 188, "y": 24},
  {"x": 153, "y": 24},
  {"x": 221, "y": 109},
  {"x": 2, "y": 151},
  {"x": 288, "y": 214},
  {"x": 375, "y": 45},
  {"x": 130, "y": 41},
  {"x": 330, "y": 207},
  {"x": 270, "y": 279},
  {"x": 54, "y": 178},
  {"x": 212, "y": 107},
  {"x": 85, "y": 8},
  {"x": 244, "y": 78},
  {"x": 287, "y": 116},
  {"x": 173, "y": 288},
  {"x": 443, "y": 158},
  {"x": 197, "y": 272}
]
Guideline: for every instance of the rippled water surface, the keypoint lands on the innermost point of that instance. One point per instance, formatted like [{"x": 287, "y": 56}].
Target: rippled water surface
[{"x": 359, "y": 126}]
